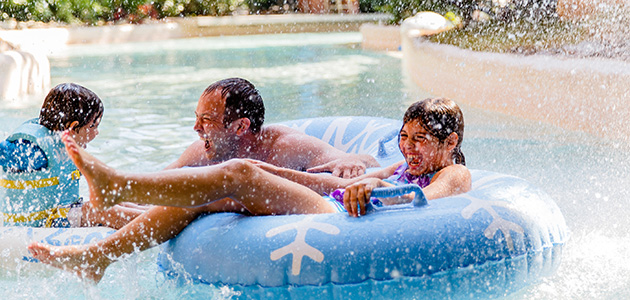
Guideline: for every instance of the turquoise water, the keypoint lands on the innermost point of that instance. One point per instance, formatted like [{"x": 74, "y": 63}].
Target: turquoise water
[{"x": 150, "y": 92}]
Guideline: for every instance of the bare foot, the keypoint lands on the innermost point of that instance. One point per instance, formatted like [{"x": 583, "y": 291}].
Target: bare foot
[
  {"x": 80, "y": 261},
  {"x": 104, "y": 191}
]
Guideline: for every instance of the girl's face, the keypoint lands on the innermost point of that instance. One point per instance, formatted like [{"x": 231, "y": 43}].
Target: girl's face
[
  {"x": 87, "y": 133},
  {"x": 422, "y": 151}
]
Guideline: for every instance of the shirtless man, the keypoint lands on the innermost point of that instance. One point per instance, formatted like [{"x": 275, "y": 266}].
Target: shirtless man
[{"x": 230, "y": 114}]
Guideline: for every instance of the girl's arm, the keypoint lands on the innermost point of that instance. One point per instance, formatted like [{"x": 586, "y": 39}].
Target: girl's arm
[{"x": 452, "y": 180}]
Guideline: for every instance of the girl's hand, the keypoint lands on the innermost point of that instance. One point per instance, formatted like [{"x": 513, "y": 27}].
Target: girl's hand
[{"x": 357, "y": 195}]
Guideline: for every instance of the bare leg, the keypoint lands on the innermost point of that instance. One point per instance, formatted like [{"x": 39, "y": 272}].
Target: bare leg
[
  {"x": 97, "y": 176},
  {"x": 260, "y": 192},
  {"x": 257, "y": 191},
  {"x": 115, "y": 217},
  {"x": 155, "y": 226}
]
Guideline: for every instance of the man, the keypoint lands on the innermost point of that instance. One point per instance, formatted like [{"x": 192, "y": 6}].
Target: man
[{"x": 230, "y": 116}]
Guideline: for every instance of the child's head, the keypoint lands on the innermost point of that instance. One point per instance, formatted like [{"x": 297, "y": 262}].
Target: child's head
[
  {"x": 443, "y": 122},
  {"x": 71, "y": 106}
]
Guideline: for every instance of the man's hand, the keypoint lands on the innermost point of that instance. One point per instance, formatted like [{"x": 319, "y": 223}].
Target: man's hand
[
  {"x": 273, "y": 169},
  {"x": 343, "y": 168}
]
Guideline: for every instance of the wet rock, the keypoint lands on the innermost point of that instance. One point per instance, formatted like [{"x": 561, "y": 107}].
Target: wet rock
[{"x": 22, "y": 72}]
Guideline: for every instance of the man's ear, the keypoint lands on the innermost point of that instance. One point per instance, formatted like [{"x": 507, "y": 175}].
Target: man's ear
[{"x": 242, "y": 125}]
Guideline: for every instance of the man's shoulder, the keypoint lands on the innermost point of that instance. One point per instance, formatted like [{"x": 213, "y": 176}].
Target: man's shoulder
[
  {"x": 280, "y": 133},
  {"x": 279, "y": 128},
  {"x": 279, "y": 136}
]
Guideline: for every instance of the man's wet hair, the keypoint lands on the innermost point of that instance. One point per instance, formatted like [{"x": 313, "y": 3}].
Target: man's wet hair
[{"x": 242, "y": 100}]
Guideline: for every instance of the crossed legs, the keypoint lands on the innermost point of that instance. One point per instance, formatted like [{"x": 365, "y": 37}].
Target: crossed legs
[{"x": 229, "y": 186}]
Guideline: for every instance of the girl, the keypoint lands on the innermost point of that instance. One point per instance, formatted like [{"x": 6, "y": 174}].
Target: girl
[
  {"x": 40, "y": 184},
  {"x": 430, "y": 141}
]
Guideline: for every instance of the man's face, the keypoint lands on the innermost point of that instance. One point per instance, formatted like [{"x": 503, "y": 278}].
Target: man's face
[{"x": 218, "y": 140}]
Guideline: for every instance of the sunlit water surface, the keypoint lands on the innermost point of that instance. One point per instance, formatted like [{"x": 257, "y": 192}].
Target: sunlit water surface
[{"x": 150, "y": 92}]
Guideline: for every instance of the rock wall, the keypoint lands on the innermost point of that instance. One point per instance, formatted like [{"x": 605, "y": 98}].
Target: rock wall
[
  {"x": 581, "y": 9},
  {"x": 588, "y": 95},
  {"x": 22, "y": 72},
  {"x": 380, "y": 37}
]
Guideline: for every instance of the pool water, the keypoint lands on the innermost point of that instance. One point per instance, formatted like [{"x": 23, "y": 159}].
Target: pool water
[{"x": 150, "y": 92}]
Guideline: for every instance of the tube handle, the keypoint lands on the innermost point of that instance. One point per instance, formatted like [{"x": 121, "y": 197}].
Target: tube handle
[{"x": 399, "y": 190}]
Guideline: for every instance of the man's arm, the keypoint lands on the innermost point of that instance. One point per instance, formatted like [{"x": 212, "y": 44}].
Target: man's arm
[
  {"x": 321, "y": 183},
  {"x": 300, "y": 151},
  {"x": 194, "y": 155}
]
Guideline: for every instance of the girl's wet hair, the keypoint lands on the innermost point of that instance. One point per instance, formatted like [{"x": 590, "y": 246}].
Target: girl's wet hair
[
  {"x": 439, "y": 117},
  {"x": 69, "y": 102},
  {"x": 242, "y": 100}
]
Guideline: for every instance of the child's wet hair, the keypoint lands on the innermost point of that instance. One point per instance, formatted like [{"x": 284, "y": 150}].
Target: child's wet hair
[
  {"x": 439, "y": 117},
  {"x": 69, "y": 102}
]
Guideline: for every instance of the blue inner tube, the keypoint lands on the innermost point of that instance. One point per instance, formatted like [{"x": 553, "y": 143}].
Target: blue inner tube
[{"x": 501, "y": 236}]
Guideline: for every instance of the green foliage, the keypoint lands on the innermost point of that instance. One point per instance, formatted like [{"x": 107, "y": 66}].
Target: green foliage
[
  {"x": 501, "y": 11},
  {"x": 94, "y": 11},
  {"x": 68, "y": 11},
  {"x": 174, "y": 8},
  {"x": 262, "y": 6},
  {"x": 402, "y": 9}
]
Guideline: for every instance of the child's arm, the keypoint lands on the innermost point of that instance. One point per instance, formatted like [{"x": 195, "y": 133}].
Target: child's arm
[
  {"x": 452, "y": 180},
  {"x": 357, "y": 195}
]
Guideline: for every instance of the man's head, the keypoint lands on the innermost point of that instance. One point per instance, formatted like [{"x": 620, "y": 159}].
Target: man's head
[
  {"x": 241, "y": 101},
  {"x": 226, "y": 110}
]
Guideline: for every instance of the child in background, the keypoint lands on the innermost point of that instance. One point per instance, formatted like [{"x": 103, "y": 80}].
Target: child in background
[{"x": 39, "y": 185}]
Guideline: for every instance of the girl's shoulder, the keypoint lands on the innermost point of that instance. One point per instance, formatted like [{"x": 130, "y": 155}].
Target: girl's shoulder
[
  {"x": 457, "y": 174},
  {"x": 454, "y": 169}
]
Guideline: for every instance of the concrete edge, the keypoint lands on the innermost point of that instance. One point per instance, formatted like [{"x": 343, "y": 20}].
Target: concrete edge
[
  {"x": 588, "y": 95},
  {"x": 176, "y": 28}
]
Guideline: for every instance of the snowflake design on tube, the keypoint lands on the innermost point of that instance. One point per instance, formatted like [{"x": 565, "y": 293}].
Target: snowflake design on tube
[
  {"x": 337, "y": 129},
  {"x": 299, "y": 248},
  {"x": 498, "y": 223}
]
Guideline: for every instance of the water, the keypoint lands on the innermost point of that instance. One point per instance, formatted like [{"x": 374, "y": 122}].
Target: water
[{"x": 150, "y": 92}]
